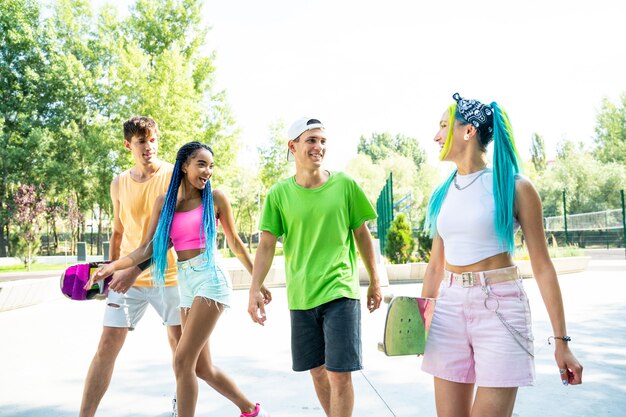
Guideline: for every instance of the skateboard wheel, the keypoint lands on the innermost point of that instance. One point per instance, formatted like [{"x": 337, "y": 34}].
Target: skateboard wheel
[
  {"x": 381, "y": 347},
  {"x": 61, "y": 285},
  {"x": 387, "y": 299}
]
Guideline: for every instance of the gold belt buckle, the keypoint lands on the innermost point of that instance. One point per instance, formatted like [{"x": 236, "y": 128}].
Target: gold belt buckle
[{"x": 467, "y": 279}]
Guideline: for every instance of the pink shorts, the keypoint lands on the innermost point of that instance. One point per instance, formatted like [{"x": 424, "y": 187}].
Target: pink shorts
[{"x": 481, "y": 334}]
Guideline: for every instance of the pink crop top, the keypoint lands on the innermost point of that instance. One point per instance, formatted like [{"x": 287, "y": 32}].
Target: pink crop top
[{"x": 186, "y": 229}]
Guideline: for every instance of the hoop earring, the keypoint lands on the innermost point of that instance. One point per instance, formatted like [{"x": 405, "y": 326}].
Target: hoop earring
[{"x": 466, "y": 137}]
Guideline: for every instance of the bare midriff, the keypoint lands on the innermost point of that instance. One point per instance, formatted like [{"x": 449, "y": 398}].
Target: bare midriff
[
  {"x": 501, "y": 260},
  {"x": 187, "y": 254}
]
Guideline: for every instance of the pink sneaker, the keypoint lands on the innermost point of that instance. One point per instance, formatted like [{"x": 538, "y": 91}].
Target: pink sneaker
[{"x": 258, "y": 412}]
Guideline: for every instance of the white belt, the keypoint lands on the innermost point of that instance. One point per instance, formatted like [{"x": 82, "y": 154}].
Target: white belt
[{"x": 493, "y": 276}]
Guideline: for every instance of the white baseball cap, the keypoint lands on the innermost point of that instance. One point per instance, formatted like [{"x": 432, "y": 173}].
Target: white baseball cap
[{"x": 302, "y": 125}]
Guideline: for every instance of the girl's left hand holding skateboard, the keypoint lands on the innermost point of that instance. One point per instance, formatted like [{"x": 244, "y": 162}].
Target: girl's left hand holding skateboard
[{"x": 100, "y": 274}]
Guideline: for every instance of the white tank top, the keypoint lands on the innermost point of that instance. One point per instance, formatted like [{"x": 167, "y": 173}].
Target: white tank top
[{"x": 466, "y": 221}]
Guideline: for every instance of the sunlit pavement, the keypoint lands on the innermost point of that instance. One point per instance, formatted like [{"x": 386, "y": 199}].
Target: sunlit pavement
[{"x": 45, "y": 351}]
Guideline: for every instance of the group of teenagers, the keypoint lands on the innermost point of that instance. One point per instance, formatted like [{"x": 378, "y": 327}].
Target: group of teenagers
[{"x": 480, "y": 343}]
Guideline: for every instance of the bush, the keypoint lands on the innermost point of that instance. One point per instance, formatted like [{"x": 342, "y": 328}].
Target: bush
[
  {"x": 554, "y": 251},
  {"x": 424, "y": 242},
  {"x": 399, "y": 241},
  {"x": 20, "y": 248}
]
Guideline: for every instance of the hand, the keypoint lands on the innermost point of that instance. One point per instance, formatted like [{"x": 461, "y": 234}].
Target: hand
[
  {"x": 374, "y": 297},
  {"x": 99, "y": 274},
  {"x": 123, "y": 280},
  {"x": 256, "y": 306},
  {"x": 267, "y": 295},
  {"x": 570, "y": 370}
]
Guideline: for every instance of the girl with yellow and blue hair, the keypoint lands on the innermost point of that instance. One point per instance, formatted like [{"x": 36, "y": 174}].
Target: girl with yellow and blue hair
[
  {"x": 187, "y": 218},
  {"x": 481, "y": 335}
]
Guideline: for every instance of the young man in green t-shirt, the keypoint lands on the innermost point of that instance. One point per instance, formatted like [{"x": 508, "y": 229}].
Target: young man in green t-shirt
[{"x": 322, "y": 217}]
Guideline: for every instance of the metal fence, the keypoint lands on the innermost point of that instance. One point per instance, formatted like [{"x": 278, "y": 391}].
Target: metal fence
[
  {"x": 588, "y": 230},
  {"x": 384, "y": 210}
]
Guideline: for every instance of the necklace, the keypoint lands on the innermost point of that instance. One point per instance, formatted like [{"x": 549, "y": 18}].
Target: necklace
[{"x": 458, "y": 187}]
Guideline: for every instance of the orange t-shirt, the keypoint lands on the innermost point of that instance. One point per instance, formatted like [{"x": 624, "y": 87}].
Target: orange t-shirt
[{"x": 136, "y": 202}]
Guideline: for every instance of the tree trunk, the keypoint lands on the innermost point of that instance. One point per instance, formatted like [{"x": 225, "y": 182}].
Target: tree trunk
[
  {"x": 55, "y": 245},
  {"x": 99, "y": 239},
  {"x": 79, "y": 230},
  {"x": 69, "y": 238},
  {"x": 3, "y": 251},
  {"x": 250, "y": 231},
  {"x": 48, "y": 237},
  {"x": 3, "y": 237},
  {"x": 8, "y": 238},
  {"x": 91, "y": 234}
]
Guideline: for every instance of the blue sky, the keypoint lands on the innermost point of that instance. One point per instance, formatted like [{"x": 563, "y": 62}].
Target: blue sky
[{"x": 365, "y": 66}]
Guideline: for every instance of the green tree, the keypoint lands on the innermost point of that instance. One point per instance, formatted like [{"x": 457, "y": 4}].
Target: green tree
[
  {"x": 424, "y": 241},
  {"x": 69, "y": 78},
  {"x": 163, "y": 73},
  {"x": 273, "y": 157},
  {"x": 590, "y": 184},
  {"x": 380, "y": 146},
  {"x": 158, "y": 25},
  {"x": 79, "y": 163},
  {"x": 29, "y": 210},
  {"x": 611, "y": 132},
  {"x": 370, "y": 177},
  {"x": 569, "y": 148},
  {"x": 152, "y": 63},
  {"x": 400, "y": 244},
  {"x": 246, "y": 202},
  {"x": 24, "y": 59},
  {"x": 538, "y": 153}
]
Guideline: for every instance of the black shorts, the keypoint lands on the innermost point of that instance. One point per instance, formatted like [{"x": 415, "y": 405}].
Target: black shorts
[{"x": 329, "y": 334}]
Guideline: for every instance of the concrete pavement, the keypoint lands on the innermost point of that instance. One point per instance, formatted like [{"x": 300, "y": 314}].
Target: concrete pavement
[{"x": 45, "y": 351}]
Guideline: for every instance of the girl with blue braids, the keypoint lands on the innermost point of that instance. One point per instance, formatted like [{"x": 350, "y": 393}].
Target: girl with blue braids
[
  {"x": 481, "y": 333},
  {"x": 187, "y": 218}
]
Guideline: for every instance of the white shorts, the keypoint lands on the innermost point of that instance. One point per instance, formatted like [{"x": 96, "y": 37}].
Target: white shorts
[
  {"x": 196, "y": 278},
  {"x": 125, "y": 310}
]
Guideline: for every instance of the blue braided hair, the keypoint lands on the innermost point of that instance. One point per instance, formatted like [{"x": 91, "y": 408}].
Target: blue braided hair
[
  {"x": 506, "y": 167},
  {"x": 161, "y": 239}
]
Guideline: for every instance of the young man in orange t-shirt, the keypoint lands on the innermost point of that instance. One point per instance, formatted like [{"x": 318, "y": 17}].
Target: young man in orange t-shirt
[{"x": 134, "y": 193}]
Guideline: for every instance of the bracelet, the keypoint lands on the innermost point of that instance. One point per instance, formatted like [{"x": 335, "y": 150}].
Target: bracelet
[
  {"x": 145, "y": 264},
  {"x": 563, "y": 338}
]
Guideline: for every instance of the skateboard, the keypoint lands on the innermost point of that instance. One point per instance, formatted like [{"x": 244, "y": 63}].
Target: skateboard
[
  {"x": 74, "y": 278},
  {"x": 406, "y": 326}
]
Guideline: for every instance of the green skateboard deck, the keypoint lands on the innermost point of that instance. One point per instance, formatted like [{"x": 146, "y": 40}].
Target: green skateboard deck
[{"x": 406, "y": 326}]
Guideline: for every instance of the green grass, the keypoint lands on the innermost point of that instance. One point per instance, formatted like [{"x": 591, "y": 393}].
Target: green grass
[
  {"x": 555, "y": 252},
  {"x": 33, "y": 268},
  {"x": 226, "y": 253}
]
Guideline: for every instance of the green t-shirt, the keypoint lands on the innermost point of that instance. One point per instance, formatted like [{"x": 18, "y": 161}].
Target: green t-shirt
[{"x": 319, "y": 247}]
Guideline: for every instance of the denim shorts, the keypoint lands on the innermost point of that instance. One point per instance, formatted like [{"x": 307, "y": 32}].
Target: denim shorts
[
  {"x": 125, "y": 310},
  {"x": 329, "y": 334},
  {"x": 196, "y": 278},
  {"x": 481, "y": 335}
]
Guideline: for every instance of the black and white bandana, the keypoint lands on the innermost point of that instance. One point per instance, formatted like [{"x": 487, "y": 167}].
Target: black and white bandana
[{"x": 475, "y": 112}]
